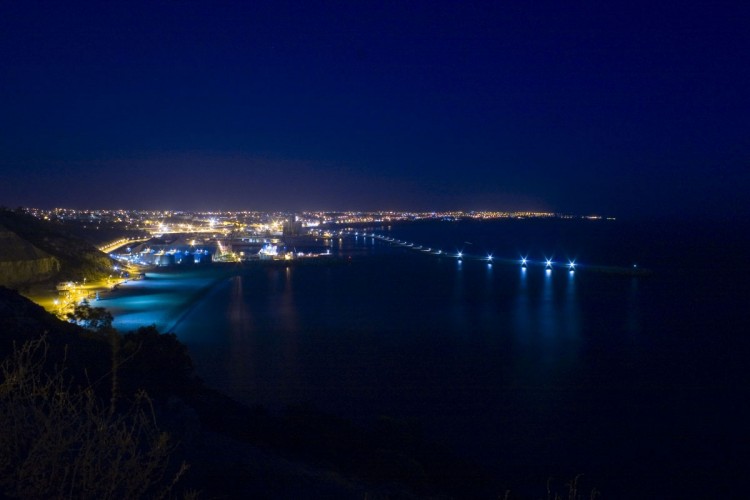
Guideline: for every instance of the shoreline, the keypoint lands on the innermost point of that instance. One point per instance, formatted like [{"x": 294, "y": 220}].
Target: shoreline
[
  {"x": 47, "y": 295},
  {"x": 178, "y": 291},
  {"x": 212, "y": 277},
  {"x": 193, "y": 301}
]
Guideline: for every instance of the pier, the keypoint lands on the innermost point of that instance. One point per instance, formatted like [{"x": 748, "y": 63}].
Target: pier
[{"x": 523, "y": 262}]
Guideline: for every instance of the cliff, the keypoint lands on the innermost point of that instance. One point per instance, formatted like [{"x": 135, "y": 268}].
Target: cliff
[
  {"x": 21, "y": 262},
  {"x": 32, "y": 250}
]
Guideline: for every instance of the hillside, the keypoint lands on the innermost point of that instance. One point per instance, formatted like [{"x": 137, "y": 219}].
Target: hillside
[
  {"x": 21, "y": 262},
  {"x": 233, "y": 451},
  {"x": 32, "y": 250}
]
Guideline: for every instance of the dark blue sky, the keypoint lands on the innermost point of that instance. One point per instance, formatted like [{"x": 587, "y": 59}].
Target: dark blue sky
[{"x": 595, "y": 107}]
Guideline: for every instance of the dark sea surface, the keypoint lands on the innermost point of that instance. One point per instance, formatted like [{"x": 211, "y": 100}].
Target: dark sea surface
[{"x": 636, "y": 381}]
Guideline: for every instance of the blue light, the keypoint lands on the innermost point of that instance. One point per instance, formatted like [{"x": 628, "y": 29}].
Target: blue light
[
  {"x": 549, "y": 263},
  {"x": 460, "y": 254},
  {"x": 572, "y": 266},
  {"x": 523, "y": 261},
  {"x": 489, "y": 257}
]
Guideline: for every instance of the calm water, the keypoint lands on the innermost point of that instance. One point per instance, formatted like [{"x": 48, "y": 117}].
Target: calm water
[{"x": 638, "y": 382}]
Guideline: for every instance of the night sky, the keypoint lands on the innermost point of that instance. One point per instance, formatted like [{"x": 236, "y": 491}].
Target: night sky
[{"x": 579, "y": 107}]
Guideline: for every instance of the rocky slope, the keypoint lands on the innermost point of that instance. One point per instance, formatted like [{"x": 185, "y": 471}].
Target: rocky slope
[
  {"x": 32, "y": 250},
  {"x": 21, "y": 262}
]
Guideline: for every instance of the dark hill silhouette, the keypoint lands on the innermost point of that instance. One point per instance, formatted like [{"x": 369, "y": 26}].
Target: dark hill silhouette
[
  {"x": 35, "y": 250},
  {"x": 236, "y": 451}
]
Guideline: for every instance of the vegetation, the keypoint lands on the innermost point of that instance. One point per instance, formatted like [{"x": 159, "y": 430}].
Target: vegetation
[
  {"x": 91, "y": 318},
  {"x": 92, "y": 413},
  {"x": 77, "y": 257},
  {"x": 88, "y": 412},
  {"x": 69, "y": 430},
  {"x": 59, "y": 441}
]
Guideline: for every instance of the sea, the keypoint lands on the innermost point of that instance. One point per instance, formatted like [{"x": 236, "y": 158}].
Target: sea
[{"x": 631, "y": 370}]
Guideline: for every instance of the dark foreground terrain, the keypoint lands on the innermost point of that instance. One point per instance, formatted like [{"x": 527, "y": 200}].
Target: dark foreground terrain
[{"x": 230, "y": 450}]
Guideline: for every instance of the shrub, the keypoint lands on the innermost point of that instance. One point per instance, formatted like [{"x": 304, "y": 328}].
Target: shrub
[{"x": 62, "y": 442}]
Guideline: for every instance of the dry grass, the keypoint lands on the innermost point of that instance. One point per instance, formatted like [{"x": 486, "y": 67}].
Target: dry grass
[{"x": 61, "y": 442}]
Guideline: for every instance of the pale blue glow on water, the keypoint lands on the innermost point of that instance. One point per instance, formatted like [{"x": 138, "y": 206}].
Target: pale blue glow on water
[
  {"x": 573, "y": 368},
  {"x": 547, "y": 313},
  {"x": 160, "y": 299},
  {"x": 571, "y": 309},
  {"x": 522, "y": 310}
]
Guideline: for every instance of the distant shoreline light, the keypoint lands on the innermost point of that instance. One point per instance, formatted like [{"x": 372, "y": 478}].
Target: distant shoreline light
[{"x": 215, "y": 222}]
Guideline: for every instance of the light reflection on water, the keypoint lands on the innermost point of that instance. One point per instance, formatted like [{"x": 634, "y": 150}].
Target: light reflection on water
[
  {"x": 534, "y": 308},
  {"x": 160, "y": 299},
  {"x": 521, "y": 366},
  {"x": 458, "y": 302},
  {"x": 286, "y": 315},
  {"x": 241, "y": 339},
  {"x": 571, "y": 311},
  {"x": 408, "y": 337},
  {"x": 522, "y": 310},
  {"x": 547, "y": 320}
]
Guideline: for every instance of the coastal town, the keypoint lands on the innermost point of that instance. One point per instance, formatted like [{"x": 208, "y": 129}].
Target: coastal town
[{"x": 138, "y": 240}]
